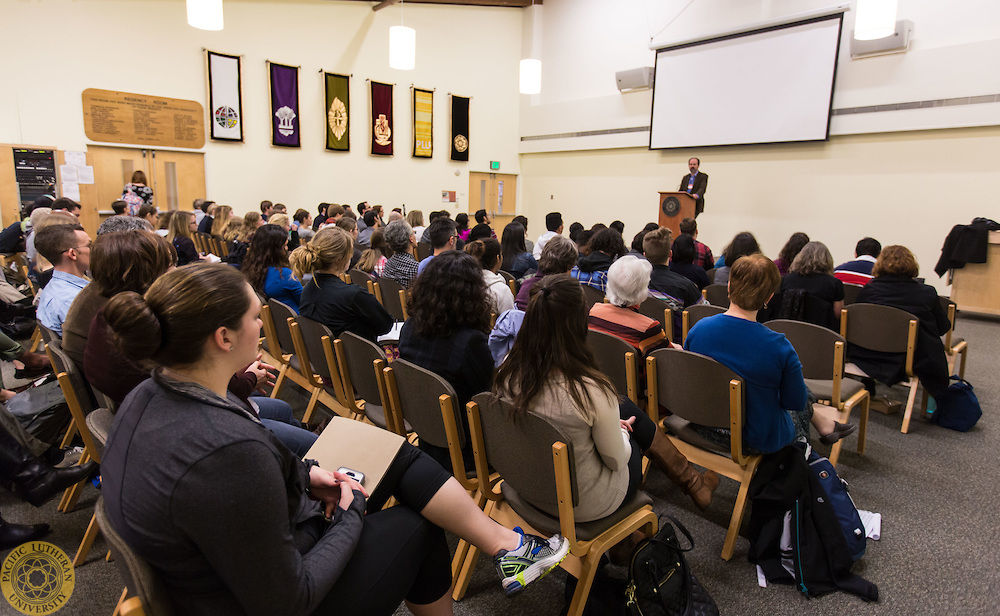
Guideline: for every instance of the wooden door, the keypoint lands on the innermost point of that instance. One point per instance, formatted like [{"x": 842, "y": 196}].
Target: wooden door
[
  {"x": 497, "y": 194},
  {"x": 113, "y": 169},
  {"x": 178, "y": 179}
]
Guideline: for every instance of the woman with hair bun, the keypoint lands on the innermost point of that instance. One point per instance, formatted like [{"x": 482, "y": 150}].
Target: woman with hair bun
[
  {"x": 328, "y": 299},
  {"x": 487, "y": 252},
  {"x": 234, "y": 523}
]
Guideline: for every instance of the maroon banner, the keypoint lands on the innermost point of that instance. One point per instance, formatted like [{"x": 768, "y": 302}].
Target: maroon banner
[{"x": 382, "y": 136}]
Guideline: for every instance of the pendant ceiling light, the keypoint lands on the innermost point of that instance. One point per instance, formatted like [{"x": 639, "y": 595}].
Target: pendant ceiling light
[
  {"x": 205, "y": 14},
  {"x": 402, "y": 45},
  {"x": 531, "y": 76},
  {"x": 876, "y": 19}
]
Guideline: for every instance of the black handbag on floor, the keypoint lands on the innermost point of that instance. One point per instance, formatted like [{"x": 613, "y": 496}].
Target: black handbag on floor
[{"x": 660, "y": 581}]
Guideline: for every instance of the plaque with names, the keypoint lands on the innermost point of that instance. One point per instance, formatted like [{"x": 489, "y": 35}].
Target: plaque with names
[{"x": 142, "y": 119}]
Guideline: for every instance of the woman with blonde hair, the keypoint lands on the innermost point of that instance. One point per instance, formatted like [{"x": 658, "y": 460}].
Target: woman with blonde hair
[
  {"x": 253, "y": 221},
  {"x": 328, "y": 299},
  {"x": 415, "y": 218},
  {"x": 373, "y": 259},
  {"x": 182, "y": 228},
  {"x": 223, "y": 214}
]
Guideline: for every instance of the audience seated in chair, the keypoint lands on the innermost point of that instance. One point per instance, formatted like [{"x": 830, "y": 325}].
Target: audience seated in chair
[
  {"x": 558, "y": 257},
  {"x": 703, "y": 254},
  {"x": 673, "y": 288},
  {"x": 402, "y": 266},
  {"x": 441, "y": 235},
  {"x": 743, "y": 244},
  {"x": 592, "y": 269},
  {"x": 859, "y": 271},
  {"x": 682, "y": 255},
  {"x": 266, "y": 266},
  {"x": 789, "y": 251},
  {"x": 812, "y": 272},
  {"x": 487, "y": 252},
  {"x": 628, "y": 286},
  {"x": 67, "y": 247}
]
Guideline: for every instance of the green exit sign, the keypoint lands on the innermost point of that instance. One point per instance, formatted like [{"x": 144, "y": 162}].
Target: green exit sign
[{"x": 494, "y": 165}]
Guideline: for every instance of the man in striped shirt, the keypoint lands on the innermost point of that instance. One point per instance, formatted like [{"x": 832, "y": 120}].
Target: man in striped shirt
[{"x": 859, "y": 271}]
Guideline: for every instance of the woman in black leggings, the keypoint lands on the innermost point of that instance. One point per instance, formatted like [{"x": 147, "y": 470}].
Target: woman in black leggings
[{"x": 231, "y": 520}]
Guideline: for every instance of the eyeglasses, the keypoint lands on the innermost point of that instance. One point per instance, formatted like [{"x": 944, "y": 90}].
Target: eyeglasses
[{"x": 87, "y": 245}]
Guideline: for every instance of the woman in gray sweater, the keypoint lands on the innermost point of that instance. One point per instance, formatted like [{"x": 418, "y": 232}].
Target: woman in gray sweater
[{"x": 231, "y": 520}]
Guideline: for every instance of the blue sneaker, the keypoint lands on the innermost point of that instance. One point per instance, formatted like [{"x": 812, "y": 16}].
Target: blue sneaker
[{"x": 535, "y": 557}]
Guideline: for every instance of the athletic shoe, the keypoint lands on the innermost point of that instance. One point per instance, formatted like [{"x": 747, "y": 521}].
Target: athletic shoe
[{"x": 535, "y": 557}]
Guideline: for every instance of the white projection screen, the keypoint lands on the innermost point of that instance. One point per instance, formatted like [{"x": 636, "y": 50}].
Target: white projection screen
[{"x": 764, "y": 86}]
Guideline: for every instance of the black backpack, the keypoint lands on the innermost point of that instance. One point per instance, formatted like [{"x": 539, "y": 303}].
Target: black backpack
[{"x": 786, "y": 494}]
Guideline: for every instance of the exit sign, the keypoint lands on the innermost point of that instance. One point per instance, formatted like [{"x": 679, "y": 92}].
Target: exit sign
[{"x": 494, "y": 165}]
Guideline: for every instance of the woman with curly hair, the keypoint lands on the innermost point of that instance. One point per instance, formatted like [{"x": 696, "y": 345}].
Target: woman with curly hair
[
  {"x": 449, "y": 310},
  {"x": 329, "y": 300},
  {"x": 266, "y": 266},
  {"x": 402, "y": 266}
]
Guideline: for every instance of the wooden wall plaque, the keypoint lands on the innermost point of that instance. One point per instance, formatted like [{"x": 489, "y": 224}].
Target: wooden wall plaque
[{"x": 141, "y": 119}]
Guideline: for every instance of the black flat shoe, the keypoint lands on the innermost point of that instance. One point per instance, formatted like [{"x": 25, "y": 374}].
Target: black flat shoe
[
  {"x": 839, "y": 431},
  {"x": 30, "y": 373},
  {"x": 13, "y": 535}
]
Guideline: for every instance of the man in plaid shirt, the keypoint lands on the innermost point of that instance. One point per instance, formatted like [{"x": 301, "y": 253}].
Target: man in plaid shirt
[{"x": 703, "y": 254}]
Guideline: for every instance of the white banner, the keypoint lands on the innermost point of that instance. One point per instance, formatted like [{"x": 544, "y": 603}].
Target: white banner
[{"x": 225, "y": 97}]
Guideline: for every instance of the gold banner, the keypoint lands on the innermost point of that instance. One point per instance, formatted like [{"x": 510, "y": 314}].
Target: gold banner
[{"x": 423, "y": 123}]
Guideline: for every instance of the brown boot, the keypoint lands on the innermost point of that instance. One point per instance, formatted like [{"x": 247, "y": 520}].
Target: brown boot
[{"x": 673, "y": 463}]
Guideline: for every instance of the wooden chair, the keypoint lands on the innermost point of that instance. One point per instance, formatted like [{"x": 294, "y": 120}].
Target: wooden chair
[
  {"x": 887, "y": 330},
  {"x": 361, "y": 362},
  {"x": 392, "y": 296},
  {"x": 851, "y": 293},
  {"x": 693, "y": 314},
  {"x": 141, "y": 581},
  {"x": 717, "y": 294},
  {"x": 609, "y": 352},
  {"x": 427, "y": 402},
  {"x": 511, "y": 282},
  {"x": 700, "y": 390},
  {"x": 99, "y": 423},
  {"x": 538, "y": 491},
  {"x": 322, "y": 374},
  {"x": 591, "y": 296},
  {"x": 954, "y": 347},
  {"x": 281, "y": 346},
  {"x": 49, "y": 336},
  {"x": 424, "y": 250},
  {"x": 77, "y": 394},
  {"x": 821, "y": 352},
  {"x": 362, "y": 279},
  {"x": 658, "y": 309}
]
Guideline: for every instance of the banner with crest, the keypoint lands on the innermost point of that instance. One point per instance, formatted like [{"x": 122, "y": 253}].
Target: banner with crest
[
  {"x": 338, "y": 112},
  {"x": 382, "y": 118},
  {"x": 459, "y": 128},
  {"x": 285, "y": 125},
  {"x": 225, "y": 97},
  {"x": 423, "y": 123}
]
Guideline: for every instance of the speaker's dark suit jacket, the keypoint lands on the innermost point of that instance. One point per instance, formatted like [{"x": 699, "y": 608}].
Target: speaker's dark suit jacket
[{"x": 700, "y": 186}]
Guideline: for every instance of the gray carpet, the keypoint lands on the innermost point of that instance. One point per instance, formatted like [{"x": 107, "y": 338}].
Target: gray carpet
[{"x": 931, "y": 487}]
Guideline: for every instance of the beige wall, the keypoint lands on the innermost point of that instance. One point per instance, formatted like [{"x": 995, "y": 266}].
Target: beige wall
[
  {"x": 901, "y": 188},
  {"x": 146, "y": 46}
]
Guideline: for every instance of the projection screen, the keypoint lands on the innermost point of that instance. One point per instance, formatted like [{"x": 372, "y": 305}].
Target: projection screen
[{"x": 763, "y": 86}]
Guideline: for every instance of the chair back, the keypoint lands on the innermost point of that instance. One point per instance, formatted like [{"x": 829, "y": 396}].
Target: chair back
[
  {"x": 312, "y": 338},
  {"x": 694, "y": 387},
  {"x": 520, "y": 450},
  {"x": 419, "y": 401},
  {"x": 813, "y": 344},
  {"x": 389, "y": 295},
  {"x": 140, "y": 578},
  {"x": 424, "y": 250},
  {"x": 361, "y": 354},
  {"x": 851, "y": 293},
  {"x": 591, "y": 296},
  {"x": 877, "y": 328},
  {"x": 360, "y": 278},
  {"x": 656, "y": 308},
  {"x": 693, "y": 314},
  {"x": 717, "y": 295},
  {"x": 99, "y": 423},
  {"x": 77, "y": 394},
  {"x": 711, "y": 275},
  {"x": 950, "y": 309},
  {"x": 280, "y": 313},
  {"x": 511, "y": 281},
  {"x": 616, "y": 359},
  {"x": 49, "y": 336}
]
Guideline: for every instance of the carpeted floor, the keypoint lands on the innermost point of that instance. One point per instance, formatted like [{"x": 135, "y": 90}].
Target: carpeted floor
[{"x": 931, "y": 487}]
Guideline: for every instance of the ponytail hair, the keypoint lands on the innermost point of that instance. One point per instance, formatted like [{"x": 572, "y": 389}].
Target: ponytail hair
[
  {"x": 181, "y": 310},
  {"x": 330, "y": 247},
  {"x": 486, "y": 251}
]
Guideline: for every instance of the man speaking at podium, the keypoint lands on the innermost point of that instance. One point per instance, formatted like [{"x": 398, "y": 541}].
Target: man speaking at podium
[{"x": 695, "y": 184}]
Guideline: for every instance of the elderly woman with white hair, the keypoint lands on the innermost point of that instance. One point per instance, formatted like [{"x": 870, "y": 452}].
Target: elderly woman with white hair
[
  {"x": 628, "y": 286},
  {"x": 402, "y": 265}
]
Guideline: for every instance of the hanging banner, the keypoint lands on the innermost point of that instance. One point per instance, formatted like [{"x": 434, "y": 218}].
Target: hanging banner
[
  {"x": 338, "y": 112},
  {"x": 459, "y": 128},
  {"x": 225, "y": 97},
  {"x": 381, "y": 118},
  {"x": 284, "y": 105},
  {"x": 423, "y": 123}
]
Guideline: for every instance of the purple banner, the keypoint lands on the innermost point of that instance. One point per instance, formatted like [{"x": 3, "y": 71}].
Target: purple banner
[{"x": 284, "y": 105}]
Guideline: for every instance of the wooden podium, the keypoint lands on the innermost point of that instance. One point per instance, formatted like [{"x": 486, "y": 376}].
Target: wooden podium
[{"x": 675, "y": 207}]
